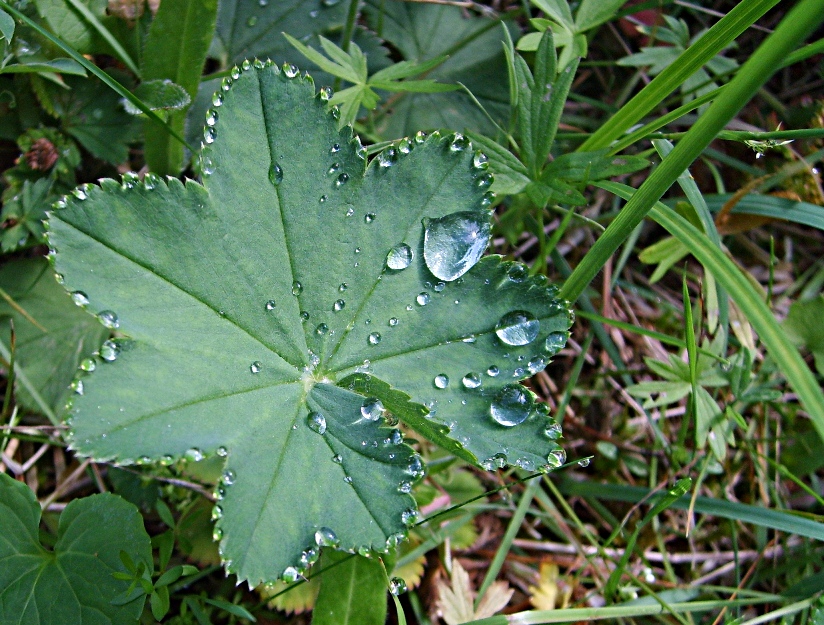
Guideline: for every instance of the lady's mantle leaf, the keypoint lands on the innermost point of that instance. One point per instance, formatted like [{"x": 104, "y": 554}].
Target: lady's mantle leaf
[
  {"x": 254, "y": 300},
  {"x": 73, "y": 583}
]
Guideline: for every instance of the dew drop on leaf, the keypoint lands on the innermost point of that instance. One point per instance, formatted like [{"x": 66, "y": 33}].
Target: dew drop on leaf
[
  {"x": 369, "y": 218},
  {"x": 556, "y": 458},
  {"x": 480, "y": 161},
  {"x": 217, "y": 534},
  {"x": 459, "y": 143},
  {"x": 222, "y": 451},
  {"x": 342, "y": 179},
  {"x": 409, "y": 516},
  {"x": 326, "y": 94},
  {"x": 511, "y": 405},
  {"x": 339, "y": 304},
  {"x": 399, "y": 257},
  {"x": 325, "y": 537},
  {"x": 518, "y": 272},
  {"x": 374, "y": 338},
  {"x": 372, "y": 409},
  {"x": 193, "y": 455},
  {"x": 388, "y": 157},
  {"x": 79, "y": 298},
  {"x": 297, "y": 288},
  {"x": 316, "y": 422},
  {"x": 536, "y": 364},
  {"x": 518, "y": 327},
  {"x": 270, "y": 305},
  {"x": 228, "y": 477},
  {"x": 322, "y": 329},
  {"x": 256, "y": 367},
  {"x": 337, "y": 459},
  {"x": 290, "y": 574},
  {"x": 343, "y": 286},
  {"x": 393, "y": 321},
  {"x": 453, "y": 244},
  {"x": 109, "y": 319},
  {"x": 441, "y": 380},
  {"x": 251, "y": 21},
  {"x": 333, "y": 168},
  {"x": 88, "y": 365},
  {"x": 493, "y": 371},
  {"x": 471, "y": 380},
  {"x": 583, "y": 462},
  {"x": 397, "y": 586},
  {"x": 275, "y": 174},
  {"x": 290, "y": 70},
  {"x": 217, "y": 513},
  {"x": 108, "y": 351},
  {"x": 405, "y": 487},
  {"x": 420, "y": 137},
  {"x": 422, "y": 299},
  {"x": 555, "y": 341}
]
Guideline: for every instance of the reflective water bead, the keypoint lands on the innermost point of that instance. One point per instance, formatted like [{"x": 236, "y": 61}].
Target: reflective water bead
[
  {"x": 388, "y": 157},
  {"x": 270, "y": 305},
  {"x": 480, "y": 161},
  {"x": 422, "y": 299},
  {"x": 290, "y": 70},
  {"x": 226, "y": 84},
  {"x": 79, "y": 298},
  {"x": 405, "y": 146},
  {"x": 88, "y": 365},
  {"x": 584, "y": 462},
  {"x": 228, "y": 477},
  {"x": 77, "y": 387},
  {"x": 415, "y": 468},
  {"x": 374, "y": 338},
  {"x": 393, "y": 321},
  {"x": 109, "y": 319},
  {"x": 108, "y": 351},
  {"x": 372, "y": 409},
  {"x": 409, "y": 516},
  {"x": 485, "y": 181},
  {"x": 453, "y": 244},
  {"x": 518, "y": 272},
  {"x": 337, "y": 459},
  {"x": 275, "y": 174},
  {"x": 441, "y": 381},
  {"x": 304, "y": 315},
  {"x": 405, "y": 487},
  {"x": 342, "y": 179},
  {"x": 536, "y": 364},
  {"x": 350, "y": 211},
  {"x": 471, "y": 380},
  {"x": 459, "y": 143},
  {"x": 222, "y": 451},
  {"x": 518, "y": 327},
  {"x": 211, "y": 117},
  {"x": 469, "y": 339},
  {"x": 321, "y": 329},
  {"x": 339, "y": 304},
  {"x": 347, "y": 479},
  {"x": 369, "y": 218},
  {"x": 325, "y": 537},
  {"x": 316, "y": 422},
  {"x": 511, "y": 405},
  {"x": 217, "y": 513},
  {"x": 217, "y": 534},
  {"x": 217, "y": 99},
  {"x": 440, "y": 287},
  {"x": 325, "y": 94},
  {"x": 193, "y": 455},
  {"x": 399, "y": 257},
  {"x": 333, "y": 168},
  {"x": 420, "y": 136},
  {"x": 297, "y": 288},
  {"x": 397, "y": 586},
  {"x": 556, "y": 458},
  {"x": 555, "y": 341},
  {"x": 209, "y": 135},
  {"x": 290, "y": 574}
]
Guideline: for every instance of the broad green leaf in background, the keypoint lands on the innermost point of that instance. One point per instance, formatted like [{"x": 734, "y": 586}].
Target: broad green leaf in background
[
  {"x": 74, "y": 582},
  {"x": 6, "y": 26},
  {"x": 473, "y": 44},
  {"x": 804, "y": 325},
  {"x": 353, "y": 592},
  {"x": 21, "y": 220},
  {"x": 53, "y": 335},
  {"x": 159, "y": 95},
  {"x": 252, "y": 300}
]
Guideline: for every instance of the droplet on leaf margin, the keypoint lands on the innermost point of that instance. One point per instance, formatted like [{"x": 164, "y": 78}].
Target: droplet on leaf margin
[
  {"x": 397, "y": 586},
  {"x": 511, "y": 405},
  {"x": 555, "y": 342},
  {"x": 518, "y": 327},
  {"x": 372, "y": 409},
  {"x": 453, "y": 244},
  {"x": 316, "y": 422},
  {"x": 275, "y": 174},
  {"x": 325, "y": 537}
]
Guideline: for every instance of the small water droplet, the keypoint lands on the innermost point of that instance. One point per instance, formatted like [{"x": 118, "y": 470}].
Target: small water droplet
[
  {"x": 388, "y": 157},
  {"x": 193, "y": 455},
  {"x": 420, "y": 137},
  {"x": 251, "y": 21},
  {"x": 511, "y": 405},
  {"x": 217, "y": 534},
  {"x": 297, "y": 288},
  {"x": 480, "y": 161},
  {"x": 308, "y": 557},
  {"x": 372, "y": 409},
  {"x": 255, "y": 367},
  {"x": 347, "y": 479},
  {"x": 518, "y": 327},
  {"x": 88, "y": 365},
  {"x": 342, "y": 179},
  {"x": 222, "y": 451},
  {"x": 325, "y": 537},
  {"x": 399, "y": 257},
  {"x": 226, "y": 84},
  {"x": 471, "y": 380},
  {"x": 337, "y": 459},
  {"x": 555, "y": 341},
  {"x": 453, "y": 244},
  {"x": 290, "y": 70},
  {"x": 469, "y": 339},
  {"x": 405, "y": 487},
  {"x": 316, "y": 422},
  {"x": 409, "y": 516},
  {"x": 369, "y": 218},
  {"x": 556, "y": 458},
  {"x": 374, "y": 338},
  {"x": 553, "y": 430},
  {"x": 326, "y": 94},
  {"x": 109, "y": 319},
  {"x": 228, "y": 477},
  {"x": 536, "y": 364},
  {"x": 518, "y": 272},
  {"x": 342, "y": 287},
  {"x": 108, "y": 351},
  {"x": 304, "y": 315},
  {"x": 211, "y": 117},
  {"x": 441, "y": 380},
  {"x": 339, "y": 304},
  {"x": 77, "y": 387},
  {"x": 485, "y": 181},
  {"x": 79, "y": 298},
  {"x": 422, "y": 299},
  {"x": 290, "y": 574},
  {"x": 217, "y": 513},
  {"x": 583, "y": 462},
  {"x": 333, "y": 168},
  {"x": 270, "y": 305},
  {"x": 80, "y": 193},
  {"x": 321, "y": 329},
  {"x": 275, "y": 174},
  {"x": 459, "y": 143},
  {"x": 209, "y": 135},
  {"x": 397, "y": 586},
  {"x": 393, "y": 321},
  {"x": 217, "y": 99}
]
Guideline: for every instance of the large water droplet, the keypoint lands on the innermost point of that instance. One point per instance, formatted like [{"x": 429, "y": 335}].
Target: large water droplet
[
  {"x": 422, "y": 299},
  {"x": 275, "y": 174},
  {"x": 290, "y": 574},
  {"x": 374, "y": 338},
  {"x": 471, "y": 380},
  {"x": 399, "y": 257},
  {"x": 511, "y": 405},
  {"x": 441, "y": 380},
  {"x": 556, "y": 458},
  {"x": 555, "y": 341},
  {"x": 108, "y": 351},
  {"x": 536, "y": 364},
  {"x": 290, "y": 70},
  {"x": 339, "y": 304},
  {"x": 325, "y": 537},
  {"x": 388, "y": 157},
  {"x": 409, "y": 516},
  {"x": 393, "y": 321},
  {"x": 326, "y": 94},
  {"x": 397, "y": 586},
  {"x": 79, "y": 298},
  {"x": 369, "y": 218},
  {"x": 518, "y": 327},
  {"x": 372, "y": 409},
  {"x": 453, "y": 244},
  {"x": 109, "y": 319},
  {"x": 459, "y": 143},
  {"x": 342, "y": 179},
  {"x": 316, "y": 422},
  {"x": 492, "y": 371}
]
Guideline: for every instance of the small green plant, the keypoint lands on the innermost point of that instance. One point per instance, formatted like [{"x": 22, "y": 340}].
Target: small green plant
[{"x": 286, "y": 314}]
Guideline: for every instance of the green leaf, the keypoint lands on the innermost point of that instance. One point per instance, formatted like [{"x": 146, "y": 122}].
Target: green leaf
[
  {"x": 53, "y": 335},
  {"x": 74, "y": 583},
  {"x": 6, "y": 26},
  {"x": 804, "y": 325},
  {"x": 54, "y": 66},
  {"x": 23, "y": 214},
  {"x": 69, "y": 24},
  {"x": 176, "y": 49},
  {"x": 341, "y": 65},
  {"x": 510, "y": 174},
  {"x": 159, "y": 95},
  {"x": 249, "y": 297},
  {"x": 592, "y": 13},
  {"x": 353, "y": 592},
  {"x": 557, "y": 10}
]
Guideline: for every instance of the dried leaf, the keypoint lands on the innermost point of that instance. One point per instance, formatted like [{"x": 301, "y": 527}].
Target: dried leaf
[{"x": 455, "y": 600}]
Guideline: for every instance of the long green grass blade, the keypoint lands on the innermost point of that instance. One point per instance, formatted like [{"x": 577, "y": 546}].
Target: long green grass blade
[
  {"x": 779, "y": 346},
  {"x": 793, "y": 29},
  {"x": 104, "y": 32}
]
